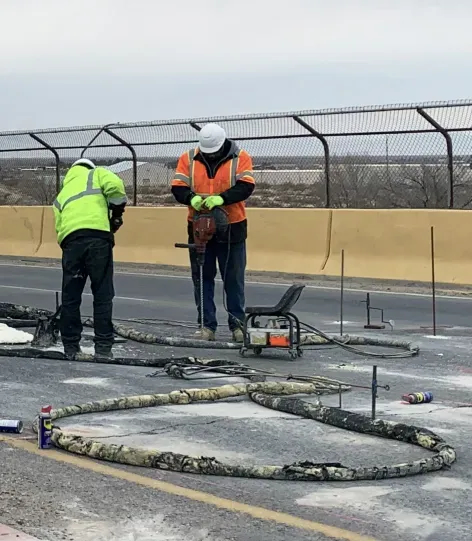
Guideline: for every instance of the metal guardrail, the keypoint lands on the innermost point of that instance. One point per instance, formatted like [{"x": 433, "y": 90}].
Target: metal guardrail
[{"x": 399, "y": 156}]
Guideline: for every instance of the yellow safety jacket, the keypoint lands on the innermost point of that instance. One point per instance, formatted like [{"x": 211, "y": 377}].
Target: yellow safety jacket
[{"x": 83, "y": 200}]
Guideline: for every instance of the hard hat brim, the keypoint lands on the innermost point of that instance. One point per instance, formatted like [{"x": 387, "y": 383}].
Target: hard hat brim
[{"x": 210, "y": 150}]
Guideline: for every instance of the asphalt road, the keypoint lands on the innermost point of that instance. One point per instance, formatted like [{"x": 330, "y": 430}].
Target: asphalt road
[
  {"x": 154, "y": 296},
  {"x": 74, "y": 501}
]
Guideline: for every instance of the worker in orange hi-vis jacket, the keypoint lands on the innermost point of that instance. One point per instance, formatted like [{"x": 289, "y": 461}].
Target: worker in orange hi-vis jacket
[{"x": 217, "y": 174}]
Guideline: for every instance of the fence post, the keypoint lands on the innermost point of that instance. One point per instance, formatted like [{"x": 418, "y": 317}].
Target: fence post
[
  {"x": 94, "y": 138},
  {"x": 450, "y": 154},
  {"x": 324, "y": 142},
  {"x": 56, "y": 155},
  {"x": 135, "y": 162}
]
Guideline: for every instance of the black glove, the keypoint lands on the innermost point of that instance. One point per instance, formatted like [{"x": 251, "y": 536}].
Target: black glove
[{"x": 115, "y": 223}]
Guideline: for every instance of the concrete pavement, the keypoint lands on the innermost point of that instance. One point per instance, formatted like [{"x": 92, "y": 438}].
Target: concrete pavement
[
  {"x": 56, "y": 496},
  {"x": 10, "y": 534}
]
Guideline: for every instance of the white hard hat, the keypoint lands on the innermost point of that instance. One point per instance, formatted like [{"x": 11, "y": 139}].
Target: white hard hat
[
  {"x": 211, "y": 138},
  {"x": 84, "y": 161}
]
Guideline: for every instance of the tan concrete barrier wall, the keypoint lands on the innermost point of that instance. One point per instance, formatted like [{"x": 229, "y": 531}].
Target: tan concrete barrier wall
[
  {"x": 288, "y": 240},
  {"x": 49, "y": 247},
  {"x": 21, "y": 230},
  {"x": 384, "y": 244},
  {"x": 396, "y": 244}
]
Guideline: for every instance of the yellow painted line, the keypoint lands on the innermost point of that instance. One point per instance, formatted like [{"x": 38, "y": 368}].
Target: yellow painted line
[{"x": 195, "y": 495}]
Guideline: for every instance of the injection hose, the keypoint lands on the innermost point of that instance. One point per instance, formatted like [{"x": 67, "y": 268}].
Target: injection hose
[
  {"x": 273, "y": 395},
  {"x": 27, "y": 313}
]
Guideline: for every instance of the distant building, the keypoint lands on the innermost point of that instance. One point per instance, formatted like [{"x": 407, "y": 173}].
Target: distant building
[{"x": 149, "y": 174}]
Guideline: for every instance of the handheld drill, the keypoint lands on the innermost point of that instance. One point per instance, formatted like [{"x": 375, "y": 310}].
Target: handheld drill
[
  {"x": 205, "y": 225},
  {"x": 204, "y": 228}
]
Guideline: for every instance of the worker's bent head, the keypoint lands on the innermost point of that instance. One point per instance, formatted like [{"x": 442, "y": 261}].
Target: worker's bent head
[
  {"x": 86, "y": 163},
  {"x": 211, "y": 138}
]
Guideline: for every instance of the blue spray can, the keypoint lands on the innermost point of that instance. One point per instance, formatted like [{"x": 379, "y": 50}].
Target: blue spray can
[
  {"x": 11, "y": 426},
  {"x": 45, "y": 428}
]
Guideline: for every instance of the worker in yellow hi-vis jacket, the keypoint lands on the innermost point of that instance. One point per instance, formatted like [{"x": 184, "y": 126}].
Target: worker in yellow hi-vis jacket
[{"x": 88, "y": 211}]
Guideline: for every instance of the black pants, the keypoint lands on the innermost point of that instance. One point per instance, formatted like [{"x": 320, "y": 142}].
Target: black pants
[
  {"x": 82, "y": 258},
  {"x": 231, "y": 258}
]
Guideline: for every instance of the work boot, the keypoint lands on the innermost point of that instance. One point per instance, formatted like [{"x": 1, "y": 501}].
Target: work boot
[
  {"x": 104, "y": 355},
  {"x": 72, "y": 352},
  {"x": 238, "y": 336},
  {"x": 205, "y": 334}
]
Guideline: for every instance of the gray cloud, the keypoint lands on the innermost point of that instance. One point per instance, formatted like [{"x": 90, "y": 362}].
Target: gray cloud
[{"x": 80, "y": 62}]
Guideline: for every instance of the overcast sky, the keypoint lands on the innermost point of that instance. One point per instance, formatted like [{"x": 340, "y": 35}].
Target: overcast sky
[{"x": 72, "y": 62}]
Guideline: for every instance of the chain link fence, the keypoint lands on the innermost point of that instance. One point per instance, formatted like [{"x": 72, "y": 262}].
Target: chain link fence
[{"x": 404, "y": 156}]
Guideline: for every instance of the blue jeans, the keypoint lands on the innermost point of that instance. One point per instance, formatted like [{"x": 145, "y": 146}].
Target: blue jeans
[{"x": 231, "y": 260}]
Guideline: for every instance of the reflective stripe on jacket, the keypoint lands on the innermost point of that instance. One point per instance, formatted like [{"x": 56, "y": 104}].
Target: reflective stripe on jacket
[
  {"x": 193, "y": 174},
  {"x": 83, "y": 200}
]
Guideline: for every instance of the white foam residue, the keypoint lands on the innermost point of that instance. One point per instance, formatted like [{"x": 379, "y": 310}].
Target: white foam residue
[
  {"x": 95, "y": 430},
  {"x": 9, "y": 335},
  {"x": 362, "y": 497},
  {"x": 421, "y": 524},
  {"x": 437, "y": 337},
  {"x": 455, "y": 381},
  {"x": 97, "y": 382},
  {"x": 367, "y": 501},
  {"x": 132, "y": 529},
  {"x": 445, "y": 484}
]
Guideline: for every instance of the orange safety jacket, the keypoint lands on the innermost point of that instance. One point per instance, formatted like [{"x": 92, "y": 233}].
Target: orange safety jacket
[{"x": 193, "y": 174}]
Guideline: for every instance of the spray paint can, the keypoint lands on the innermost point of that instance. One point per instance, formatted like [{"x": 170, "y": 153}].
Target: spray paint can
[
  {"x": 11, "y": 426},
  {"x": 418, "y": 398},
  {"x": 45, "y": 428}
]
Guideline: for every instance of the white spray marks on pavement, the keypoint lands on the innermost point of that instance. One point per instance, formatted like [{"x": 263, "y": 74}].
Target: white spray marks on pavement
[
  {"x": 95, "y": 431},
  {"x": 134, "y": 529},
  {"x": 9, "y": 335},
  {"x": 446, "y": 484},
  {"x": 369, "y": 502},
  {"x": 362, "y": 497},
  {"x": 96, "y": 382},
  {"x": 453, "y": 381}
]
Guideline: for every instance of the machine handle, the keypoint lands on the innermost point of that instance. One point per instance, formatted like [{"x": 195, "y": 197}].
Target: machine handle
[{"x": 189, "y": 246}]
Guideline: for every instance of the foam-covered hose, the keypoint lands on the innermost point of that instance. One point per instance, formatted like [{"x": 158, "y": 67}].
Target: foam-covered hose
[
  {"x": 20, "y": 312},
  {"x": 269, "y": 394}
]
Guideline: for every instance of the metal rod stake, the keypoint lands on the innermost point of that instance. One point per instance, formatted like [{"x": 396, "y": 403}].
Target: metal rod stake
[
  {"x": 201, "y": 298},
  {"x": 374, "y": 390},
  {"x": 342, "y": 292},
  {"x": 433, "y": 280},
  {"x": 367, "y": 303}
]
